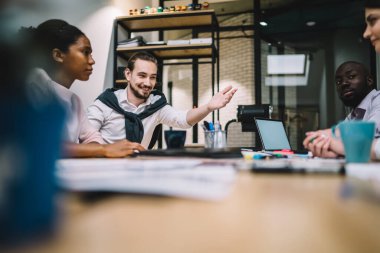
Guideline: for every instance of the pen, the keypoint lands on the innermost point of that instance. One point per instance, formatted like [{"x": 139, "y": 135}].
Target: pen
[
  {"x": 312, "y": 139},
  {"x": 277, "y": 154},
  {"x": 206, "y": 125},
  {"x": 262, "y": 156},
  {"x": 284, "y": 152},
  {"x": 217, "y": 126},
  {"x": 211, "y": 126}
]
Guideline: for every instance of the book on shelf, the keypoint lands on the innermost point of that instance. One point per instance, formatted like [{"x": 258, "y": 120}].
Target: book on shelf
[
  {"x": 132, "y": 42},
  {"x": 201, "y": 41},
  {"x": 178, "y": 42},
  {"x": 155, "y": 43}
]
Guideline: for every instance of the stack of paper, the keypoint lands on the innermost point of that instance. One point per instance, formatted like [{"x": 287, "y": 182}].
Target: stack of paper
[
  {"x": 201, "y": 41},
  {"x": 133, "y": 42},
  {"x": 295, "y": 165},
  {"x": 155, "y": 43},
  {"x": 183, "y": 178},
  {"x": 364, "y": 171},
  {"x": 178, "y": 42},
  {"x": 365, "y": 178}
]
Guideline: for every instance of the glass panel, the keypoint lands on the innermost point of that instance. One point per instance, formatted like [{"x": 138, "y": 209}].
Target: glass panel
[{"x": 327, "y": 37}]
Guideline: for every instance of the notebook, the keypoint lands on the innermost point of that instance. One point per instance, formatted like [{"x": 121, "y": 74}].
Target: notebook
[{"x": 273, "y": 135}]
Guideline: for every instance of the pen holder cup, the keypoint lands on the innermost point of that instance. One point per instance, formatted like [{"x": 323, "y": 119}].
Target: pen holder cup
[
  {"x": 175, "y": 138},
  {"x": 215, "y": 139}
]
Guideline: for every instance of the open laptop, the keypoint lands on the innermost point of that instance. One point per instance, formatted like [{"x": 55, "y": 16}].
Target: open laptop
[{"x": 273, "y": 135}]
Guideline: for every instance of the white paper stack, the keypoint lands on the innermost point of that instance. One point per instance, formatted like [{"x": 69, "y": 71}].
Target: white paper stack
[
  {"x": 188, "y": 178},
  {"x": 154, "y": 43},
  {"x": 132, "y": 42},
  {"x": 364, "y": 179},
  {"x": 178, "y": 42},
  {"x": 201, "y": 41}
]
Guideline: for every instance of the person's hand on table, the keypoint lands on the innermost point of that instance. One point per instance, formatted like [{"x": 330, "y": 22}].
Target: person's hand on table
[
  {"x": 122, "y": 148},
  {"x": 318, "y": 142}
]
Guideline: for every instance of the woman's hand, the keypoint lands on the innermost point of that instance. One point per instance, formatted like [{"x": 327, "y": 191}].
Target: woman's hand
[{"x": 121, "y": 149}]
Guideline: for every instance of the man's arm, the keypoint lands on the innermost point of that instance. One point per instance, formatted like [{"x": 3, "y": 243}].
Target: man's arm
[
  {"x": 219, "y": 100},
  {"x": 118, "y": 149},
  {"x": 374, "y": 115},
  {"x": 375, "y": 150}
]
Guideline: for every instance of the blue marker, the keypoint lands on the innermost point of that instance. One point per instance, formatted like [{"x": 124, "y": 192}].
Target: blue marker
[
  {"x": 206, "y": 125},
  {"x": 211, "y": 126},
  {"x": 258, "y": 156}
]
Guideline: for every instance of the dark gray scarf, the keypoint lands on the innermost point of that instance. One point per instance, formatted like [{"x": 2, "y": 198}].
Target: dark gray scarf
[{"x": 134, "y": 130}]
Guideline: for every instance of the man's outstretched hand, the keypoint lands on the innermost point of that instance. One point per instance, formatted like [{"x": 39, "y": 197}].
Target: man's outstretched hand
[{"x": 222, "y": 98}]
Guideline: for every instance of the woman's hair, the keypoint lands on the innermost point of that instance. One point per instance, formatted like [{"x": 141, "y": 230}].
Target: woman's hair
[
  {"x": 51, "y": 34},
  {"x": 142, "y": 56}
]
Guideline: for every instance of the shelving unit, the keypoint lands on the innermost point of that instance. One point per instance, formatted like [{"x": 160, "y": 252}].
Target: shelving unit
[
  {"x": 201, "y": 21},
  {"x": 170, "y": 52}
]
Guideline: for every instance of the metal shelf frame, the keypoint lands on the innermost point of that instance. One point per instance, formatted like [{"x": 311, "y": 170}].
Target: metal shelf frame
[{"x": 198, "y": 21}]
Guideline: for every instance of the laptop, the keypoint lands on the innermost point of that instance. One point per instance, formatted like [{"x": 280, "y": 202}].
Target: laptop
[{"x": 273, "y": 135}]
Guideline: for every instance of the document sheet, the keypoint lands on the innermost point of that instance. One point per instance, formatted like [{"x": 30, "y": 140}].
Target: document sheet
[{"x": 191, "y": 178}]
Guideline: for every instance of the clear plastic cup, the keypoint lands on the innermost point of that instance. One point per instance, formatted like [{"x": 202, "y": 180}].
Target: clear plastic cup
[{"x": 215, "y": 139}]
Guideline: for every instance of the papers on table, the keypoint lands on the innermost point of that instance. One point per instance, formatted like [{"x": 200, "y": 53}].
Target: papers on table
[
  {"x": 183, "y": 178},
  {"x": 298, "y": 165},
  {"x": 267, "y": 162},
  {"x": 365, "y": 177},
  {"x": 364, "y": 171}
]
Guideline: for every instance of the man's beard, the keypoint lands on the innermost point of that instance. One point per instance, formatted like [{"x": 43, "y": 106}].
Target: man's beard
[
  {"x": 137, "y": 94},
  {"x": 353, "y": 101}
]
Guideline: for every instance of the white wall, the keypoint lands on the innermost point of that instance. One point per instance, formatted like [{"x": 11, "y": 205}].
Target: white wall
[
  {"x": 94, "y": 17},
  {"x": 98, "y": 26}
]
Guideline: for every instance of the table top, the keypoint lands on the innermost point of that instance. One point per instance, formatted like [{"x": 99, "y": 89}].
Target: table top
[{"x": 263, "y": 213}]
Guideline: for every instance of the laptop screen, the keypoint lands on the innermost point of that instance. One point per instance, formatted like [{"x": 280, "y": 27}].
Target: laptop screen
[{"x": 272, "y": 134}]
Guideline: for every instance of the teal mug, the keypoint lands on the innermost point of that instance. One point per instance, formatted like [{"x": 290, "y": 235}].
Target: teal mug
[{"x": 357, "y": 137}]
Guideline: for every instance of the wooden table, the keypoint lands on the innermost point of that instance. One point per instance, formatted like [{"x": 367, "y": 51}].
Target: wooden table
[{"x": 264, "y": 213}]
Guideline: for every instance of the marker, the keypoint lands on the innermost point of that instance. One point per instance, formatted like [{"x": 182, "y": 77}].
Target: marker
[
  {"x": 206, "y": 125},
  {"x": 211, "y": 126},
  {"x": 277, "y": 155},
  {"x": 287, "y": 151},
  {"x": 312, "y": 139},
  {"x": 217, "y": 126},
  {"x": 260, "y": 156}
]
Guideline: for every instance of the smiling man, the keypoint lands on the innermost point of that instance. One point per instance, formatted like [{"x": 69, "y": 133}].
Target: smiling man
[{"x": 134, "y": 112}]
